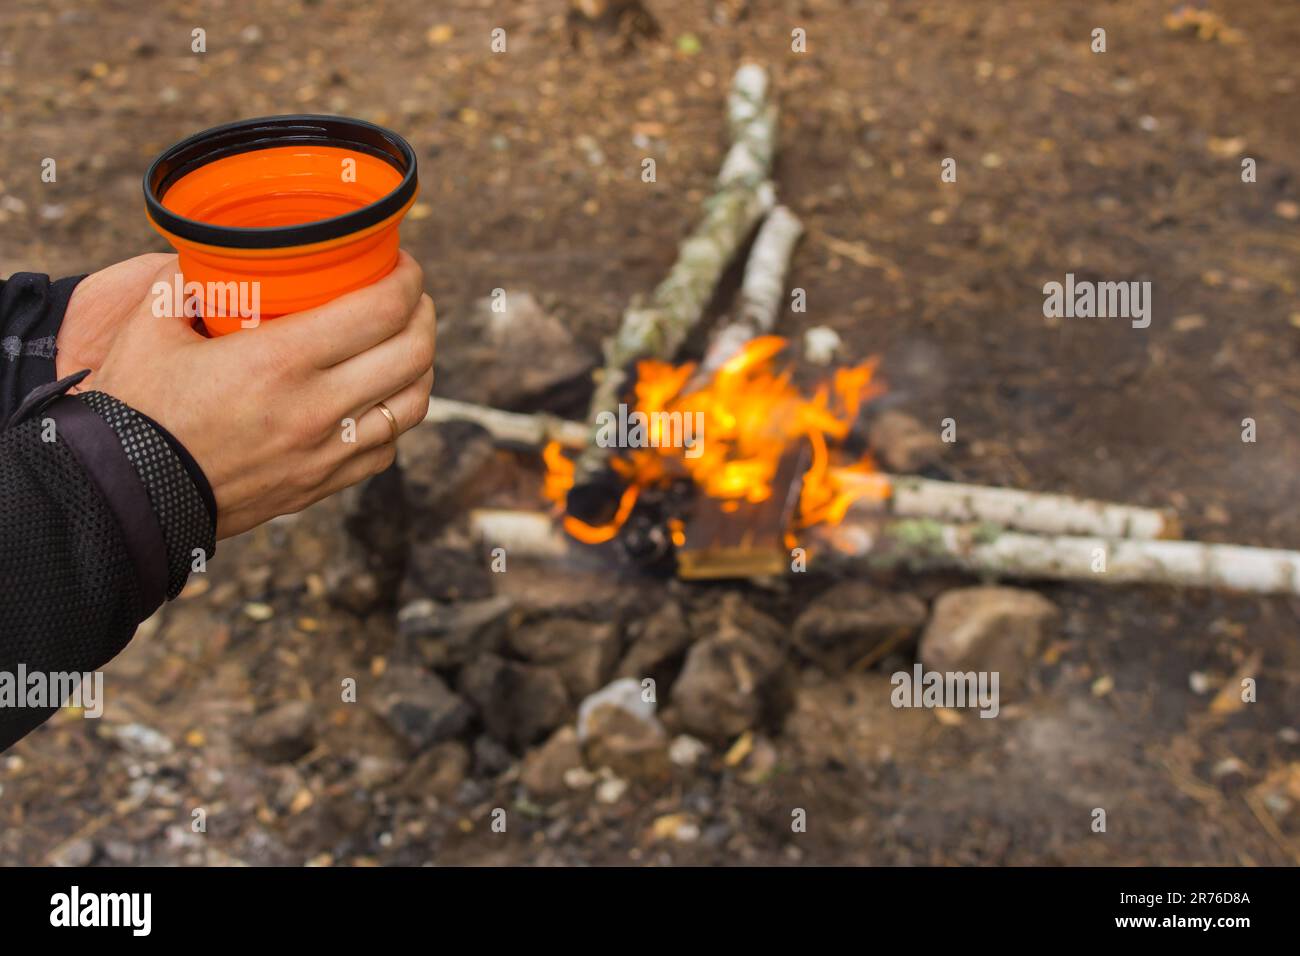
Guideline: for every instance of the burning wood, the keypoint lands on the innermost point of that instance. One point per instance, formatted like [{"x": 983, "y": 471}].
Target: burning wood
[
  {"x": 750, "y": 416},
  {"x": 911, "y": 496},
  {"x": 741, "y": 539}
]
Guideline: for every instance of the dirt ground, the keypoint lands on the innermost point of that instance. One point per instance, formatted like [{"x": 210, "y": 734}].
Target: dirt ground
[{"x": 1121, "y": 166}]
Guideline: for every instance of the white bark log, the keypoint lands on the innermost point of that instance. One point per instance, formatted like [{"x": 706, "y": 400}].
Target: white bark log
[
  {"x": 924, "y": 544},
  {"x": 530, "y": 431},
  {"x": 762, "y": 290},
  {"x": 1042, "y": 513},
  {"x": 523, "y": 534}
]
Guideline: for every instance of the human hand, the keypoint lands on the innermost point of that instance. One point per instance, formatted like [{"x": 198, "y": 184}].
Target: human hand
[
  {"x": 99, "y": 305},
  {"x": 265, "y": 411}
]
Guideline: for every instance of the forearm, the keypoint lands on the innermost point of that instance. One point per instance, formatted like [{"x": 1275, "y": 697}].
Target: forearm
[{"x": 100, "y": 521}]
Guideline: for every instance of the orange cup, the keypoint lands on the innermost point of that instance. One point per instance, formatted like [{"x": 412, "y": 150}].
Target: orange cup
[{"x": 293, "y": 210}]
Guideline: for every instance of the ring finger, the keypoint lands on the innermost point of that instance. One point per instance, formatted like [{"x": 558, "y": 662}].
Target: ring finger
[{"x": 407, "y": 408}]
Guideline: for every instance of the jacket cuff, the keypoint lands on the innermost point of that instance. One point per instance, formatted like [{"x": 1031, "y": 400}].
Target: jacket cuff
[
  {"x": 151, "y": 492},
  {"x": 188, "y": 526},
  {"x": 99, "y": 452}
]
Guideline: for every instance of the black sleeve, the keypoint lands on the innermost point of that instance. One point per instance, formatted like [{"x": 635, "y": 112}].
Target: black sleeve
[
  {"x": 100, "y": 520},
  {"x": 31, "y": 310}
]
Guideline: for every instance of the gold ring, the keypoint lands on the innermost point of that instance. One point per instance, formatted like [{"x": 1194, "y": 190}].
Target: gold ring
[{"x": 392, "y": 422}]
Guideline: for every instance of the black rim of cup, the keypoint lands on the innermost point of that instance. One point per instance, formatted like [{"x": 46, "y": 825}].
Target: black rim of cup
[{"x": 265, "y": 133}]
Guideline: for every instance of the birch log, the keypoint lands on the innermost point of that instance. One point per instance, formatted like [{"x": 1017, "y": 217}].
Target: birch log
[
  {"x": 524, "y": 534},
  {"x": 743, "y": 193},
  {"x": 762, "y": 289},
  {"x": 513, "y": 428},
  {"x": 1039, "y": 512},
  {"x": 981, "y": 550},
  {"x": 985, "y": 550}
]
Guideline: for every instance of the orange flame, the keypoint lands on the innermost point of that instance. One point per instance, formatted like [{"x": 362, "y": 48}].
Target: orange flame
[{"x": 750, "y": 414}]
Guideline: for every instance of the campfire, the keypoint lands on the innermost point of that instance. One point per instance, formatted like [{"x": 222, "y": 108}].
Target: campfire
[
  {"x": 751, "y": 419},
  {"x": 739, "y": 465}
]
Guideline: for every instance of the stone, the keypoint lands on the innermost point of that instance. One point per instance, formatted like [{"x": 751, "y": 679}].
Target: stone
[
  {"x": 445, "y": 574},
  {"x": 734, "y": 679},
  {"x": 656, "y": 644},
  {"x": 611, "y": 790},
  {"x": 545, "y": 766},
  {"x": 450, "y": 635},
  {"x": 853, "y": 620},
  {"x": 282, "y": 734},
  {"x": 903, "y": 444},
  {"x": 686, "y": 751},
  {"x": 583, "y": 652},
  {"x": 76, "y": 853},
  {"x": 419, "y": 707},
  {"x": 374, "y": 771},
  {"x": 350, "y": 585},
  {"x": 368, "y": 569},
  {"x": 140, "y": 740},
  {"x": 508, "y": 352},
  {"x": 624, "y": 693},
  {"x": 541, "y": 588},
  {"x": 988, "y": 629},
  {"x": 438, "y": 771},
  {"x": 445, "y": 468},
  {"x": 490, "y": 758},
  {"x": 518, "y": 703},
  {"x": 634, "y": 747}
]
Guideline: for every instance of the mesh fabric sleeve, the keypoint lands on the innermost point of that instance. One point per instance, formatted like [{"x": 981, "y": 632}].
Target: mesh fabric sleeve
[{"x": 99, "y": 521}]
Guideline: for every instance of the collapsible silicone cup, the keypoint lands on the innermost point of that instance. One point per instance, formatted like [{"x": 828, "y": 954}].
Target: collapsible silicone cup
[{"x": 307, "y": 207}]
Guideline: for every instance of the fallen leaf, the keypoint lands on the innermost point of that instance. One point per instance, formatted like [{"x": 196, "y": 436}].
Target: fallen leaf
[
  {"x": 740, "y": 749},
  {"x": 667, "y": 826},
  {"x": 301, "y": 801},
  {"x": 1226, "y": 146},
  {"x": 948, "y": 717},
  {"x": 259, "y": 611},
  {"x": 1228, "y": 699}
]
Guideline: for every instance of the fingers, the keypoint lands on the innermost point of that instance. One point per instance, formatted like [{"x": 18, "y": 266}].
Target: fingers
[
  {"x": 352, "y": 323},
  {"x": 372, "y": 452},
  {"x": 358, "y": 468},
  {"x": 387, "y": 368},
  {"x": 408, "y": 407}
]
